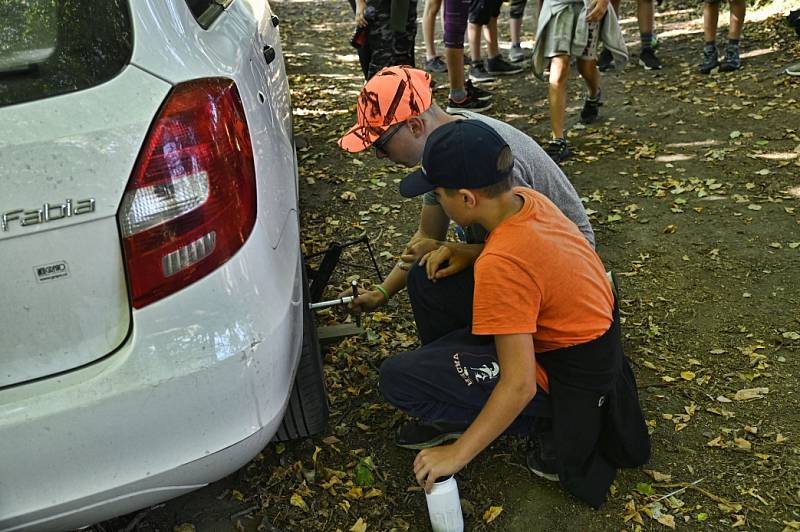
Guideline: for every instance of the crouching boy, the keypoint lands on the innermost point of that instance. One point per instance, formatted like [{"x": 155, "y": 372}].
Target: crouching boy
[{"x": 536, "y": 349}]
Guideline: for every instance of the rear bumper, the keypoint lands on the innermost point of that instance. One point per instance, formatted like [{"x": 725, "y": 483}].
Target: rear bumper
[{"x": 196, "y": 391}]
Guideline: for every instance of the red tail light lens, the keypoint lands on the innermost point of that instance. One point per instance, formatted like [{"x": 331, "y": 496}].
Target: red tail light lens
[{"x": 191, "y": 201}]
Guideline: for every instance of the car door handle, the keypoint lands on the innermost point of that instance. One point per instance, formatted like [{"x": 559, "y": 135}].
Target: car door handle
[
  {"x": 269, "y": 54},
  {"x": 275, "y": 21}
]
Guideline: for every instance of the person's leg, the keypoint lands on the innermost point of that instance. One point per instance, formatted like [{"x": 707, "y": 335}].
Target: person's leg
[
  {"x": 605, "y": 61},
  {"x": 429, "y": 16},
  {"x": 645, "y": 12},
  {"x": 738, "y": 10},
  {"x": 474, "y": 39},
  {"x": 364, "y": 52},
  {"x": 732, "y": 61},
  {"x": 380, "y": 38},
  {"x": 455, "y": 23},
  {"x": 449, "y": 381},
  {"x": 710, "y": 19},
  {"x": 591, "y": 76},
  {"x": 442, "y": 307},
  {"x": 557, "y": 94},
  {"x": 495, "y": 63},
  {"x": 404, "y": 41},
  {"x": 479, "y": 15}
]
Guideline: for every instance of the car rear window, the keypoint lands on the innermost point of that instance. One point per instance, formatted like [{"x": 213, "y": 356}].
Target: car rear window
[{"x": 51, "y": 47}]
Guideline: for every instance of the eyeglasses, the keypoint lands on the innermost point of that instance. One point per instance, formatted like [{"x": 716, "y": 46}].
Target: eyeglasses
[{"x": 380, "y": 144}]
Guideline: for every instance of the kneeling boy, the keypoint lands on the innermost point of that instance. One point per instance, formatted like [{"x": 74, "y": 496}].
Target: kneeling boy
[{"x": 543, "y": 354}]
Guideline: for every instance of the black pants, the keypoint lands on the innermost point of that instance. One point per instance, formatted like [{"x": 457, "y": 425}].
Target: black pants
[
  {"x": 364, "y": 52},
  {"x": 452, "y": 375}
]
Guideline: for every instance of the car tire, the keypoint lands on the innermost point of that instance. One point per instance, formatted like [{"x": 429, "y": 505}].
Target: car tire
[{"x": 307, "y": 413}]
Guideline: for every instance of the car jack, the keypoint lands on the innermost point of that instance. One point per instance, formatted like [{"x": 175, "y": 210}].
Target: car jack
[{"x": 319, "y": 279}]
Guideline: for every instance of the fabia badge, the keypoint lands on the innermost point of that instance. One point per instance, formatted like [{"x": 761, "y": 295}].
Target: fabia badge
[{"x": 49, "y": 212}]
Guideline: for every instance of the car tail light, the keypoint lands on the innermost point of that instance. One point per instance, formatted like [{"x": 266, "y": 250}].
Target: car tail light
[{"x": 191, "y": 201}]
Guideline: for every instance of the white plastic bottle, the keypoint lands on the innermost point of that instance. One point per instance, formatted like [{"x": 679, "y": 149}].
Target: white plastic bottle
[{"x": 444, "y": 506}]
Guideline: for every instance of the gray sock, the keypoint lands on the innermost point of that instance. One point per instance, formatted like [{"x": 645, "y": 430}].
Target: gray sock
[{"x": 457, "y": 95}]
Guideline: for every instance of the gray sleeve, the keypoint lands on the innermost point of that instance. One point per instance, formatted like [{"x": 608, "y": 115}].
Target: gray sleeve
[{"x": 555, "y": 185}]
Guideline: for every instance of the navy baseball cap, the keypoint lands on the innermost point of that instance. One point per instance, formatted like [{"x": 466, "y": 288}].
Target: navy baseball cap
[{"x": 459, "y": 154}]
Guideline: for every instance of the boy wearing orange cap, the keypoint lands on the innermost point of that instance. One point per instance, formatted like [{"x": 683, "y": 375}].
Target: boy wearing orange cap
[{"x": 396, "y": 115}]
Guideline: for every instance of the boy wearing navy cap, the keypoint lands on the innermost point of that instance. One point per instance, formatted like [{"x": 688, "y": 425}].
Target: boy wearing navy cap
[{"x": 536, "y": 349}]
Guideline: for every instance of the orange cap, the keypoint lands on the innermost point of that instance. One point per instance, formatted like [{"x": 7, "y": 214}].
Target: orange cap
[{"x": 393, "y": 95}]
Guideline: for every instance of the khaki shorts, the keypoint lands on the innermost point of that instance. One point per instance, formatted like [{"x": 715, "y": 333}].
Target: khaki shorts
[{"x": 559, "y": 35}]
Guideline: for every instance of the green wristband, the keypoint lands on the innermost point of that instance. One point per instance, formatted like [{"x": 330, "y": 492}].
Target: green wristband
[{"x": 383, "y": 291}]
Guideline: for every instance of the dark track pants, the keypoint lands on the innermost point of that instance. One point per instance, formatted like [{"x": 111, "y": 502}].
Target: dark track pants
[{"x": 452, "y": 375}]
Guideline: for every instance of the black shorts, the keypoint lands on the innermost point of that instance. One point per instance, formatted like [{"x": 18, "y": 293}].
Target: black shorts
[{"x": 481, "y": 11}]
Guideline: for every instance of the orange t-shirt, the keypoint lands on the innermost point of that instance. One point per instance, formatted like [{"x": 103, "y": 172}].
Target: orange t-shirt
[{"x": 537, "y": 274}]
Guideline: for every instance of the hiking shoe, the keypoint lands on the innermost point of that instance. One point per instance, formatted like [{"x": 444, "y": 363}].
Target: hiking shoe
[
  {"x": 710, "y": 60},
  {"x": 478, "y": 74},
  {"x": 541, "y": 458},
  {"x": 418, "y": 435},
  {"x": 517, "y": 54},
  {"x": 558, "y": 150},
  {"x": 731, "y": 61},
  {"x": 591, "y": 107},
  {"x": 499, "y": 66},
  {"x": 469, "y": 103},
  {"x": 648, "y": 59},
  {"x": 793, "y": 70},
  {"x": 435, "y": 65},
  {"x": 477, "y": 92},
  {"x": 605, "y": 61}
]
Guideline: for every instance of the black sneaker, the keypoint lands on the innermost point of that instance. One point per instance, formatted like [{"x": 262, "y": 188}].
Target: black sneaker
[
  {"x": 605, "y": 61},
  {"x": 558, "y": 150},
  {"x": 541, "y": 457},
  {"x": 731, "y": 61},
  {"x": 500, "y": 67},
  {"x": 648, "y": 59},
  {"x": 435, "y": 65},
  {"x": 477, "y": 92},
  {"x": 418, "y": 435},
  {"x": 470, "y": 103},
  {"x": 478, "y": 74},
  {"x": 591, "y": 108},
  {"x": 710, "y": 60}
]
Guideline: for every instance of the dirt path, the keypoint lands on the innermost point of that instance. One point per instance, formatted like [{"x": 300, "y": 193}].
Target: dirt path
[
  {"x": 693, "y": 185},
  {"x": 692, "y": 182}
]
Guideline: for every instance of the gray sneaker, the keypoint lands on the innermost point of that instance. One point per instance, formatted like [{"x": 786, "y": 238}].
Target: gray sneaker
[
  {"x": 435, "y": 65},
  {"x": 517, "y": 54},
  {"x": 478, "y": 74},
  {"x": 500, "y": 67},
  {"x": 793, "y": 70}
]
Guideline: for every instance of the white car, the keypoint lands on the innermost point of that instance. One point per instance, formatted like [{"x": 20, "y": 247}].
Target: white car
[{"x": 153, "y": 327}]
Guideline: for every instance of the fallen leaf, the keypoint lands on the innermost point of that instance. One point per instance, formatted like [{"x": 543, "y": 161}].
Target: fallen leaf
[
  {"x": 687, "y": 375},
  {"x": 645, "y": 488},
  {"x": 667, "y": 520},
  {"x": 657, "y": 476},
  {"x": 297, "y": 500},
  {"x": 359, "y": 526},
  {"x": 750, "y": 393},
  {"x": 742, "y": 444},
  {"x": 492, "y": 513}
]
